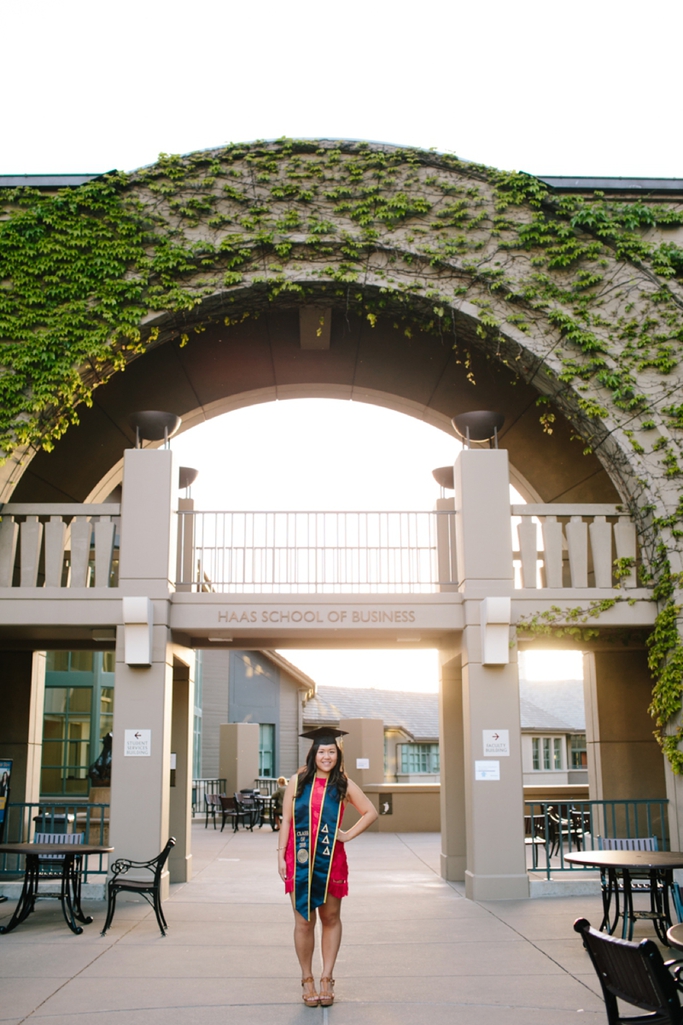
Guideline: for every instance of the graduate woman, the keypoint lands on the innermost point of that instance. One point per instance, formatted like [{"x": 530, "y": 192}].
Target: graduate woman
[{"x": 311, "y": 855}]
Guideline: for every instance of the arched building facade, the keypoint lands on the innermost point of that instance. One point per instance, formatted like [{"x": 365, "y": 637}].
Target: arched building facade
[{"x": 394, "y": 276}]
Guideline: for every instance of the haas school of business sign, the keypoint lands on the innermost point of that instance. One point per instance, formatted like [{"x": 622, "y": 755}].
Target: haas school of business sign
[{"x": 326, "y": 616}]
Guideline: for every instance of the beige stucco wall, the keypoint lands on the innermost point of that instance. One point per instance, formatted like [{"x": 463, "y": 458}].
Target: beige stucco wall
[
  {"x": 415, "y": 807},
  {"x": 624, "y": 760}
]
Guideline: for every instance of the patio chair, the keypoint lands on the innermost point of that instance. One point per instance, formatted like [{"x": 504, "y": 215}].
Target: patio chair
[
  {"x": 636, "y": 974},
  {"x": 150, "y": 889},
  {"x": 50, "y": 866},
  {"x": 212, "y": 804},
  {"x": 248, "y": 807},
  {"x": 566, "y": 830},
  {"x": 230, "y": 810}
]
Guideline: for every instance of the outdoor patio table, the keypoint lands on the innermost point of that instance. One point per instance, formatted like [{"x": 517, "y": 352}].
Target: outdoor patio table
[
  {"x": 674, "y": 936},
  {"x": 70, "y": 881},
  {"x": 659, "y": 865}
]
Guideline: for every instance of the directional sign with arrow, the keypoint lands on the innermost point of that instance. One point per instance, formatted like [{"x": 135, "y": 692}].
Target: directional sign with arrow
[
  {"x": 137, "y": 743},
  {"x": 496, "y": 743}
]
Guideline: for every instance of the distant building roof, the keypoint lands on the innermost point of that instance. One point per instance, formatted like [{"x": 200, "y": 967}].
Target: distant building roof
[
  {"x": 45, "y": 181},
  {"x": 559, "y": 700},
  {"x": 281, "y": 662},
  {"x": 612, "y": 184},
  {"x": 539, "y": 720},
  {"x": 414, "y": 712}
]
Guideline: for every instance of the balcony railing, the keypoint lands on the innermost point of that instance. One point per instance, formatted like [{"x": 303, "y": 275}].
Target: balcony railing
[
  {"x": 575, "y": 546},
  {"x": 316, "y": 552},
  {"x": 59, "y": 545}
]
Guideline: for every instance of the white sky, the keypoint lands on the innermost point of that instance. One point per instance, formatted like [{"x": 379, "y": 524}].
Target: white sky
[{"x": 589, "y": 87}]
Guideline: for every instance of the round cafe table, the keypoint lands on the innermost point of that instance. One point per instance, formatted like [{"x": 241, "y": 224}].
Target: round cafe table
[
  {"x": 620, "y": 867},
  {"x": 69, "y": 859}
]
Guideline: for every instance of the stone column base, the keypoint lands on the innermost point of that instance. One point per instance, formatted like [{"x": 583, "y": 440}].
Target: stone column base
[
  {"x": 505, "y": 887},
  {"x": 453, "y": 867}
]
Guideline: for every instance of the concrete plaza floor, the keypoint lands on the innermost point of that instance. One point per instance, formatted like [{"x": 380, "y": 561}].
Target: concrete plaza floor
[{"x": 414, "y": 949}]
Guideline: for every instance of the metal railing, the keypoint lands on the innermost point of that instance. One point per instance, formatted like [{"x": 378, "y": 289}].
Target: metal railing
[
  {"x": 266, "y": 784},
  {"x": 202, "y": 787},
  {"x": 554, "y": 829},
  {"x": 575, "y": 546},
  {"x": 59, "y": 545},
  {"x": 316, "y": 552},
  {"x": 25, "y": 820}
]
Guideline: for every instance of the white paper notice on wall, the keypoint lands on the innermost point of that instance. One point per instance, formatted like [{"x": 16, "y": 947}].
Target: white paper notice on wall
[
  {"x": 137, "y": 743},
  {"x": 487, "y": 770},
  {"x": 496, "y": 743},
  {"x": 362, "y": 763}
]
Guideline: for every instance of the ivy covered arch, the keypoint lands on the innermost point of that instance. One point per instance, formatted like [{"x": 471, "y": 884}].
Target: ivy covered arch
[{"x": 579, "y": 297}]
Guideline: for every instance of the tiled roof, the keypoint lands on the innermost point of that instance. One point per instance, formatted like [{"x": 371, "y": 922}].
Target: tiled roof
[
  {"x": 561, "y": 699},
  {"x": 550, "y": 707},
  {"x": 416, "y": 713},
  {"x": 539, "y": 720}
]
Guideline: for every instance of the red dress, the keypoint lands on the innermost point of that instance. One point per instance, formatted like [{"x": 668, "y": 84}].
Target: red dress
[{"x": 339, "y": 873}]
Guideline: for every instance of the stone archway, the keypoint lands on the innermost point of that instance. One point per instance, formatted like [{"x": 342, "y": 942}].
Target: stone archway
[{"x": 450, "y": 286}]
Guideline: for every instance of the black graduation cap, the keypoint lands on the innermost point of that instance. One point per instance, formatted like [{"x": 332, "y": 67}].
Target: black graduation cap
[{"x": 324, "y": 734}]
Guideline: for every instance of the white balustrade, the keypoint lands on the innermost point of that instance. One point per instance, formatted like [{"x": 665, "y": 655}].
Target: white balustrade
[
  {"x": 57, "y": 542},
  {"x": 316, "y": 552},
  {"x": 580, "y": 544}
]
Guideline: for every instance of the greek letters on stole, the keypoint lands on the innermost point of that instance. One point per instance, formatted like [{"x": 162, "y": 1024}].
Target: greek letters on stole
[{"x": 312, "y": 872}]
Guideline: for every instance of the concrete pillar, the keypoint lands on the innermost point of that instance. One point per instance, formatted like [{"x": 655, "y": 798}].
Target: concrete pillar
[
  {"x": 674, "y": 792},
  {"x": 238, "y": 755},
  {"x": 624, "y": 760},
  {"x": 494, "y": 795},
  {"x": 180, "y": 808},
  {"x": 451, "y": 751},
  {"x": 148, "y": 523},
  {"x": 144, "y": 692},
  {"x": 22, "y": 697},
  {"x": 364, "y": 744},
  {"x": 140, "y": 783}
]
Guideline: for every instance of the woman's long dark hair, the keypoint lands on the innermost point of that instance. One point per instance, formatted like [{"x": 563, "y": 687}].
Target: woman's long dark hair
[{"x": 337, "y": 777}]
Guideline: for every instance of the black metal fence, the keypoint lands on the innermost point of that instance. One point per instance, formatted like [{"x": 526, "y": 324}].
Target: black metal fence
[
  {"x": 24, "y": 820},
  {"x": 202, "y": 787},
  {"x": 554, "y": 829}
]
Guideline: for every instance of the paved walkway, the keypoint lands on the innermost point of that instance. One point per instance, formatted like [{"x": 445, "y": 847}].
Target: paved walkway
[{"x": 414, "y": 950}]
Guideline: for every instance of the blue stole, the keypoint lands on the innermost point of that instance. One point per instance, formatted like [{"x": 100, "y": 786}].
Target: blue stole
[{"x": 312, "y": 871}]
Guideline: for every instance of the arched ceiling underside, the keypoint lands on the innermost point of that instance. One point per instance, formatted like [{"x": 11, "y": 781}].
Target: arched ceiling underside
[{"x": 221, "y": 368}]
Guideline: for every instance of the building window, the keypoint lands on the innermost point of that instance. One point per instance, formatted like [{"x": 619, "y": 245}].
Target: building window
[
  {"x": 420, "y": 758},
  {"x": 546, "y": 754},
  {"x": 578, "y": 753},
  {"x": 66, "y": 741},
  {"x": 79, "y": 713},
  {"x": 266, "y": 750}
]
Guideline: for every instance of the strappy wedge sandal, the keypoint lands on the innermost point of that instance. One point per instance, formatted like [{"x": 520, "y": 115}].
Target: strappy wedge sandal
[
  {"x": 310, "y": 999},
  {"x": 326, "y": 992}
]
